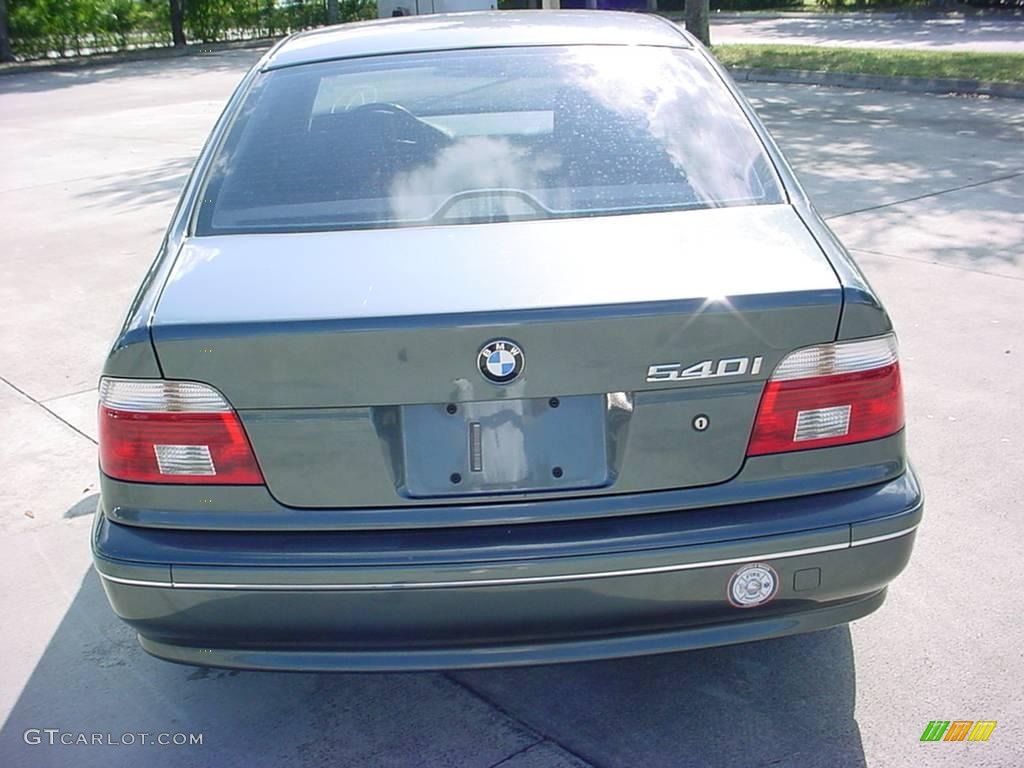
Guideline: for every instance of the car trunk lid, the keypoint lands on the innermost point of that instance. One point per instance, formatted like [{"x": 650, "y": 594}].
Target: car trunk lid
[{"x": 352, "y": 357}]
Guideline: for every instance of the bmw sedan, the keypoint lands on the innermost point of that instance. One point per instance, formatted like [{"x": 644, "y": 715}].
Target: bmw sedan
[{"x": 494, "y": 339}]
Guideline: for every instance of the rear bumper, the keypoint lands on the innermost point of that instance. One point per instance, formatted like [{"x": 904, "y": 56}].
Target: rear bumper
[{"x": 639, "y": 585}]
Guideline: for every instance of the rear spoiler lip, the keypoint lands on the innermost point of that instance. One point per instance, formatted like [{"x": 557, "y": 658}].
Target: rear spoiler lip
[{"x": 172, "y": 331}]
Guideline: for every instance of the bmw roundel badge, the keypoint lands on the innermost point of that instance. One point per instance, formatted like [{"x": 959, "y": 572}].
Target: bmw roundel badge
[{"x": 501, "y": 361}]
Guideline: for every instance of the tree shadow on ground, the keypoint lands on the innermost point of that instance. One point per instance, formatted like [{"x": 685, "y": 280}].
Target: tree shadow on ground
[
  {"x": 119, "y": 193},
  {"x": 859, "y": 156},
  {"x": 57, "y": 77}
]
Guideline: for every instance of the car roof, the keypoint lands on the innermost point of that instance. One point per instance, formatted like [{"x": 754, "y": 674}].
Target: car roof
[{"x": 484, "y": 29}]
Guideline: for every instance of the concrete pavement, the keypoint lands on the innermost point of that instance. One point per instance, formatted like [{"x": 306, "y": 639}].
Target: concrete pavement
[
  {"x": 944, "y": 32},
  {"x": 929, "y": 194}
]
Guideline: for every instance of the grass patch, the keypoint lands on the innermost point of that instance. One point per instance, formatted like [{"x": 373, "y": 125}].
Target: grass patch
[{"x": 998, "y": 67}]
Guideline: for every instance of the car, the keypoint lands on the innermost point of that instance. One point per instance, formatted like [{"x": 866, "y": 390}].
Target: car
[{"x": 496, "y": 339}]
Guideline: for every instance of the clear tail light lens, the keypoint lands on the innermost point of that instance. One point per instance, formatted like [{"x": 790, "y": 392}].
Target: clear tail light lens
[
  {"x": 830, "y": 394},
  {"x": 155, "y": 431}
]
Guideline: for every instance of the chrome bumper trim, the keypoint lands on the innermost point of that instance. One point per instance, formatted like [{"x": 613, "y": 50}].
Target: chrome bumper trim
[
  {"x": 508, "y": 581},
  {"x": 884, "y": 537}
]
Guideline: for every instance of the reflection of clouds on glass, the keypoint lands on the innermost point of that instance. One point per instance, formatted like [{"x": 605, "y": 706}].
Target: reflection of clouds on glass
[
  {"x": 575, "y": 130},
  {"x": 477, "y": 162},
  {"x": 689, "y": 119}
]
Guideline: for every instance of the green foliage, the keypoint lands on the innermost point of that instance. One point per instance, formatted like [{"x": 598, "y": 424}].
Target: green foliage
[
  {"x": 869, "y": 5},
  {"x": 757, "y": 5},
  {"x": 209, "y": 20},
  {"x": 357, "y": 10},
  {"x": 675, "y": 8},
  {"x": 119, "y": 20},
  {"x": 672, "y": 7},
  {"x": 41, "y": 28},
  {"x": 153, "y": 21},
  {"x": 891, "y": 62}
]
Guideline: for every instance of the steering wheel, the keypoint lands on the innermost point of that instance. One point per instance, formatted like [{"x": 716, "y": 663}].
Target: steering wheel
[
  {"x": 388, "y": 107},
  {"x": 402, "y": 121}
]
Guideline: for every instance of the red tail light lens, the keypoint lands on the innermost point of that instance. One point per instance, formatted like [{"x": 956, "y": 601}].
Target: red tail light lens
[
  {"x": 172, "y": 432},
  {"x": 831, "y": 394}
]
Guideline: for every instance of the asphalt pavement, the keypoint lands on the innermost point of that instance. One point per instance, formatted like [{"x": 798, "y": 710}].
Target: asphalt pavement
[
  {"x": 937, "y": 32},
  {"x": 927, "y": 191}
]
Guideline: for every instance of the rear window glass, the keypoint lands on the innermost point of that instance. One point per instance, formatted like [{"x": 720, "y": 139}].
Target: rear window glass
[{"x": 482, "y": 136}]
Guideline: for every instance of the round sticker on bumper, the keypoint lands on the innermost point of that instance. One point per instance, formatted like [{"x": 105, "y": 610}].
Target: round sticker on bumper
[{"x": 753, "y": 585}]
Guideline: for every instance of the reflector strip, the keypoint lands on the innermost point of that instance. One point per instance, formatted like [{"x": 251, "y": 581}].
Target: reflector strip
[
  {"x": 476, "y": 455},
  {"x": 184, "y": 460},
  {"x": 822, "y": 422}
]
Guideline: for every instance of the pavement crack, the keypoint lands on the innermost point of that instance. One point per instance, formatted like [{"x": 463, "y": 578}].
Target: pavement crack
[
  {"x": 927, "y": 195},
  {"x": 68, "y": 394},
  {"x": 517, "y": 753},
  {"x": 931, "y": 263},
  {"x": 542, "y": 736},
  {"x": 59, "y": 418}
]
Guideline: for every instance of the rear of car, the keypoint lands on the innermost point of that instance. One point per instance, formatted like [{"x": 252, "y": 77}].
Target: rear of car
[{"x": 469, "y": 349}]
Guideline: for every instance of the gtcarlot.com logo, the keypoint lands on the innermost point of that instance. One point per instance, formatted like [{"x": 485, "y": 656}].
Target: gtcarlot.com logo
[
  {"x": 958, "y": 730},
  {"x": 54, "y": 736}
]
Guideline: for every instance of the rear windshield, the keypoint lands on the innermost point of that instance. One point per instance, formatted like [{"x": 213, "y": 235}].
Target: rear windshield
[{"x": 476, "y": 136}]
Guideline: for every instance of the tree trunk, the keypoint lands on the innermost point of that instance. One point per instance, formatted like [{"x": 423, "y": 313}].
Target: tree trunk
[
  {"x": 697, "y": 12},
  {"x": 332, "y": 11},
  {"x": 6, "y": 54},
  {"x": 178, "y": 22}
]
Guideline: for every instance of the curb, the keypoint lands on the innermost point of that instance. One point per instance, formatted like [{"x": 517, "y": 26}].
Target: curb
[
  {"x": 881, "y": 82},
  {"x": 922, "y": 14},
  {"x": 141, "y": 54}
]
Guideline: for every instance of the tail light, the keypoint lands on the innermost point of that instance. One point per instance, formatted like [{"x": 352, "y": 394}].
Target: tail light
[
  {"x": 154, "y": 431},
  {"x": 831, "y": 394}
]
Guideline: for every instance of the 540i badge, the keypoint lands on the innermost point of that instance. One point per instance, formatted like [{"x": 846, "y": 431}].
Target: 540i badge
[{"x": 706, "y": 369}]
